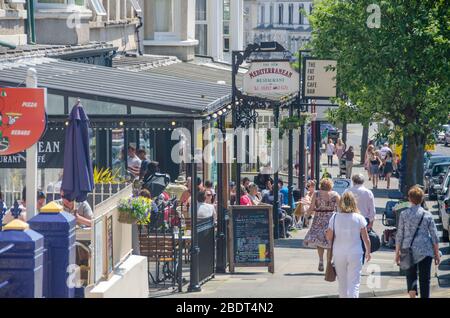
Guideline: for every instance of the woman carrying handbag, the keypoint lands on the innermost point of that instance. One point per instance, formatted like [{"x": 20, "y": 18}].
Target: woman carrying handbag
[
  {"x": 345, "y": 231},
  {"x": 417, "y": 244}
]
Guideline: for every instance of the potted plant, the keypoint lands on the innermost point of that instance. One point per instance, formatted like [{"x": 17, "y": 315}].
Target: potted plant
[
  {"x": 106, "y": 180},
  {"x": 135, "y": 209},
  {"x": 294, "y": 122}
]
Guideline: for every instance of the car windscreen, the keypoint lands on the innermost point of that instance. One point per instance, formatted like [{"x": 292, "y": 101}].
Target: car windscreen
[
  {"x": 435, "y": 160},
  {"x": 438, "y": 169}
]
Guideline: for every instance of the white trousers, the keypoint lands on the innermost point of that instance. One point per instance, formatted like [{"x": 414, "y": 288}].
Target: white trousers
[{"x": 348, "y": 271}]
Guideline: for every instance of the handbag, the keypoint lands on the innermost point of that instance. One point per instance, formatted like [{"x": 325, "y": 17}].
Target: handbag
[
  {"x": 330, "y": 272},
  {"x": 406, "y": 254},
  {"x": 375, "y": 241}
]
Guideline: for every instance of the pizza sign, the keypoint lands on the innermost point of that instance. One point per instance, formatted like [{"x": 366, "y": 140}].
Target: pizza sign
[{"x": 22, "y": 118}]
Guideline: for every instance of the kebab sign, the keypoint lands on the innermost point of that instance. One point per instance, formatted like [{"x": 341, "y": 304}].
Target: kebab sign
[{"x": 22, "y": 118}]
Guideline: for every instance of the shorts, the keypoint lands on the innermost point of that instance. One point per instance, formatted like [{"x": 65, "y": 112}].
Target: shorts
[
  {"x": 388, "y": 168},
  {"x": 374, "y": 169}
]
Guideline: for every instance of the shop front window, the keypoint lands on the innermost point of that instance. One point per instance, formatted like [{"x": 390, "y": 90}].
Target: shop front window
[
  {"x": 55, "y": 104},
  {"x": 95, "y": 107}
]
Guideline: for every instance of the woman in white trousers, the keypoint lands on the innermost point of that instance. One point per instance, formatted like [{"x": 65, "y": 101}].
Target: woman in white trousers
[{"x": 345, "y": 230}]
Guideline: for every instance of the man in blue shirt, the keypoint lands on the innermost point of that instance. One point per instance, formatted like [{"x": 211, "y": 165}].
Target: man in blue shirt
[{"x": 285, "y": 193}]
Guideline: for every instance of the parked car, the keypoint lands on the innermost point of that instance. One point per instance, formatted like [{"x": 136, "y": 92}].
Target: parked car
[
  {"x": 447, "y": 137},
  {"x": 333, "y": 132},
  {"x": 428, "y": 155},
  {"x": 440, "y": 136},
  {"x": 444, "y": 213},
  {"x": 436, "y": 179},
  {"x": 428, "y": 169},
  {"x": 442, "y": 189}
]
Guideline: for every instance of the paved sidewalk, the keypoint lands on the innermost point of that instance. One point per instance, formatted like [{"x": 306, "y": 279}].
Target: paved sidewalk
[{"x": 296, "y": 273}]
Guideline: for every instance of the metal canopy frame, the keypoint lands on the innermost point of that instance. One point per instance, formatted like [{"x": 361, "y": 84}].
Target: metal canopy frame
[{"x": 245, "y": 107}]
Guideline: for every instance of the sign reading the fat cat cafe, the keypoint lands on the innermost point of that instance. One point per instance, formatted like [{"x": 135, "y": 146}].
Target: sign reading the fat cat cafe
[{"x": 271, "y": 79}]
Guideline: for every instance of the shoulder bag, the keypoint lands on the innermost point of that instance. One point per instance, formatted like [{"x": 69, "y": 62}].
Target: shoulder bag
[
  {"x": 406, "y": 254},
  {"x": 375, "y": 241},
  {"x": 330, "y": 272}
]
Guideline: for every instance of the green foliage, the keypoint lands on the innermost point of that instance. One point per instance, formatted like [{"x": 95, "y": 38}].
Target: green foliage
[
  {"x": 138, "y": 207},
  {"x": 106, "y": 176},
  {"x": 399, "y": 71}
]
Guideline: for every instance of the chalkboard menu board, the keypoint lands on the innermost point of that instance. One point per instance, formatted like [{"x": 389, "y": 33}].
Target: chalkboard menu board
[{"x": 251, "y": 237}]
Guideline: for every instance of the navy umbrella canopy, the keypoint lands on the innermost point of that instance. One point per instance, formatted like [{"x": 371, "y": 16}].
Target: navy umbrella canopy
[{"x": 78, "y": 178}]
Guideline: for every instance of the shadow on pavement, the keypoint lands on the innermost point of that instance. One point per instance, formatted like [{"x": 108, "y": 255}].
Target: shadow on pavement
[
  {"x": 290, "y": 243},
  {"x": 304, "y": 274},
  {"x": 393, "y": 194},
  {"x": 390, "y": 273}
]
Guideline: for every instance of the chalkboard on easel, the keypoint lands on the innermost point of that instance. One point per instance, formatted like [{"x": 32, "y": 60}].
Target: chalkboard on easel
[{"x": 251, "y": 237}]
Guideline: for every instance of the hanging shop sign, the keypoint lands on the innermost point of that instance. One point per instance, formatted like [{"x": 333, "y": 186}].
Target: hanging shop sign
[
  {"x": 320, "y": 78},
  {"x": 22, "y": 118},
  {"x": 50, "y": 152},
  {"x": 271, "y": 79}
]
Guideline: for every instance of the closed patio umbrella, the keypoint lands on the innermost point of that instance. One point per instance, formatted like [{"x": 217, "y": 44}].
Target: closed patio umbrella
[{"x": 78, "y": 178}]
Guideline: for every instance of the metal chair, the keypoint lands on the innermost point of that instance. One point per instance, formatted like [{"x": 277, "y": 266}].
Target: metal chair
[{"x": 159, "y": 249}]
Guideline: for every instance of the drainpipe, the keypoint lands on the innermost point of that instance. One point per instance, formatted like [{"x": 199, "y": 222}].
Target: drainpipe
[
  {"x": 30, "y": 25},
  {"x": 8, "y": 45}
]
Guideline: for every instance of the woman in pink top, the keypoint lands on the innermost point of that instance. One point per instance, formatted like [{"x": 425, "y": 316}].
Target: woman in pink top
[{"x": 245, "y": 199}]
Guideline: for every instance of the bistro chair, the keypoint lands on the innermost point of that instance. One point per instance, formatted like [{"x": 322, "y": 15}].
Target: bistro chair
[
  {"x": 160, "y": 250},
  {"x": 187, "y": 242}
]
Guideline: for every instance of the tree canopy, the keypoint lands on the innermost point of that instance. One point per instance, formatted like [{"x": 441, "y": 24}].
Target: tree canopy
[{"x": 399, "y": 70}]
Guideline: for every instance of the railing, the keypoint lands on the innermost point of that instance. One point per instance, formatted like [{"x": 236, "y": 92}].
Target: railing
[{"x": 100, "y": 193}]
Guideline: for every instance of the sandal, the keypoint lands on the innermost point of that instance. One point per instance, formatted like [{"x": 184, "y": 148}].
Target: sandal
[{"x": 320, "y": 267}]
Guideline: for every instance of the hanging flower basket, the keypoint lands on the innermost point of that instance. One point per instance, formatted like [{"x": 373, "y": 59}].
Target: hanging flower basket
[
  {"x": 135, "y": 210},
  {"x": 126, "y": 217}
]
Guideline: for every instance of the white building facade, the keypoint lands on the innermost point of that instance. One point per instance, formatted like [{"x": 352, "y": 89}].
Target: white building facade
[{"x": 285, "y": 22}]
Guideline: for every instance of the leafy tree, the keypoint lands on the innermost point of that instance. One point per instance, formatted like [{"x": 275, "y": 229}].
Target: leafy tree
[{"x": 399, "y": 70}]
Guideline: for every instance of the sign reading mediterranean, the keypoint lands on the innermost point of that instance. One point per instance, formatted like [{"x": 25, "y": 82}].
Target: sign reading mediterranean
[
  {"x": 22, "y": 118},
  {"x": 320, "y": 79},
  {"x": 266, "y": 79}
]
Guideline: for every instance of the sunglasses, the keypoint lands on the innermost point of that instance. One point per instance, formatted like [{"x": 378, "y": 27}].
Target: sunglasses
[{"x": 209, "y": 194}]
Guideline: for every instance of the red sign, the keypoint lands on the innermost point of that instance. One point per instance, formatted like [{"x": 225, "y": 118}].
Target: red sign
[{"x": 22, "y": 118}]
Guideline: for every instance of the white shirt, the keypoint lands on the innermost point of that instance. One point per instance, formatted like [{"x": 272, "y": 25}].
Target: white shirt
[
  {"x": 384, "y": 151},
  {"x": 206, "y": 210},
  {"x": 364, "y": 200},
  {"x": 347, "y": 236},
  {"x": 134, "y": 162},
  {"x": 330, "y": 149}
]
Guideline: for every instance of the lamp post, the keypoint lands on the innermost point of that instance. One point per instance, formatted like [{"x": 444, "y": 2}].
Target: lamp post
[{"x": 194, "y": 285}]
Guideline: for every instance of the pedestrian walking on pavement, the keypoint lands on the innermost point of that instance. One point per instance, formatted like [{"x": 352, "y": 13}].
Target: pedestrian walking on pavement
[
  {"x": 331, "y": 149},
  {"x": 323, "y": 204},
  {"x": 375, "y": 166},
  {"x": 349, "y": 155},
  {"x": 389, "y": 166},
  {"x": 417, "y": 231},
  {"x": 340, "y": 148},
  {"x": 366, "y": 160},
  {"x": 345, "y": 231},
  {"x": 365, "y": 200}
]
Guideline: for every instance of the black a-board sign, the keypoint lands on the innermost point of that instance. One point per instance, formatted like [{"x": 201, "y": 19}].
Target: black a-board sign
[{"x": 251, "y": 237}]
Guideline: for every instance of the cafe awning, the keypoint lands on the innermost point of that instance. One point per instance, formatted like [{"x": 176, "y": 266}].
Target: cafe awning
[{"x": 148, "y": 90}]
